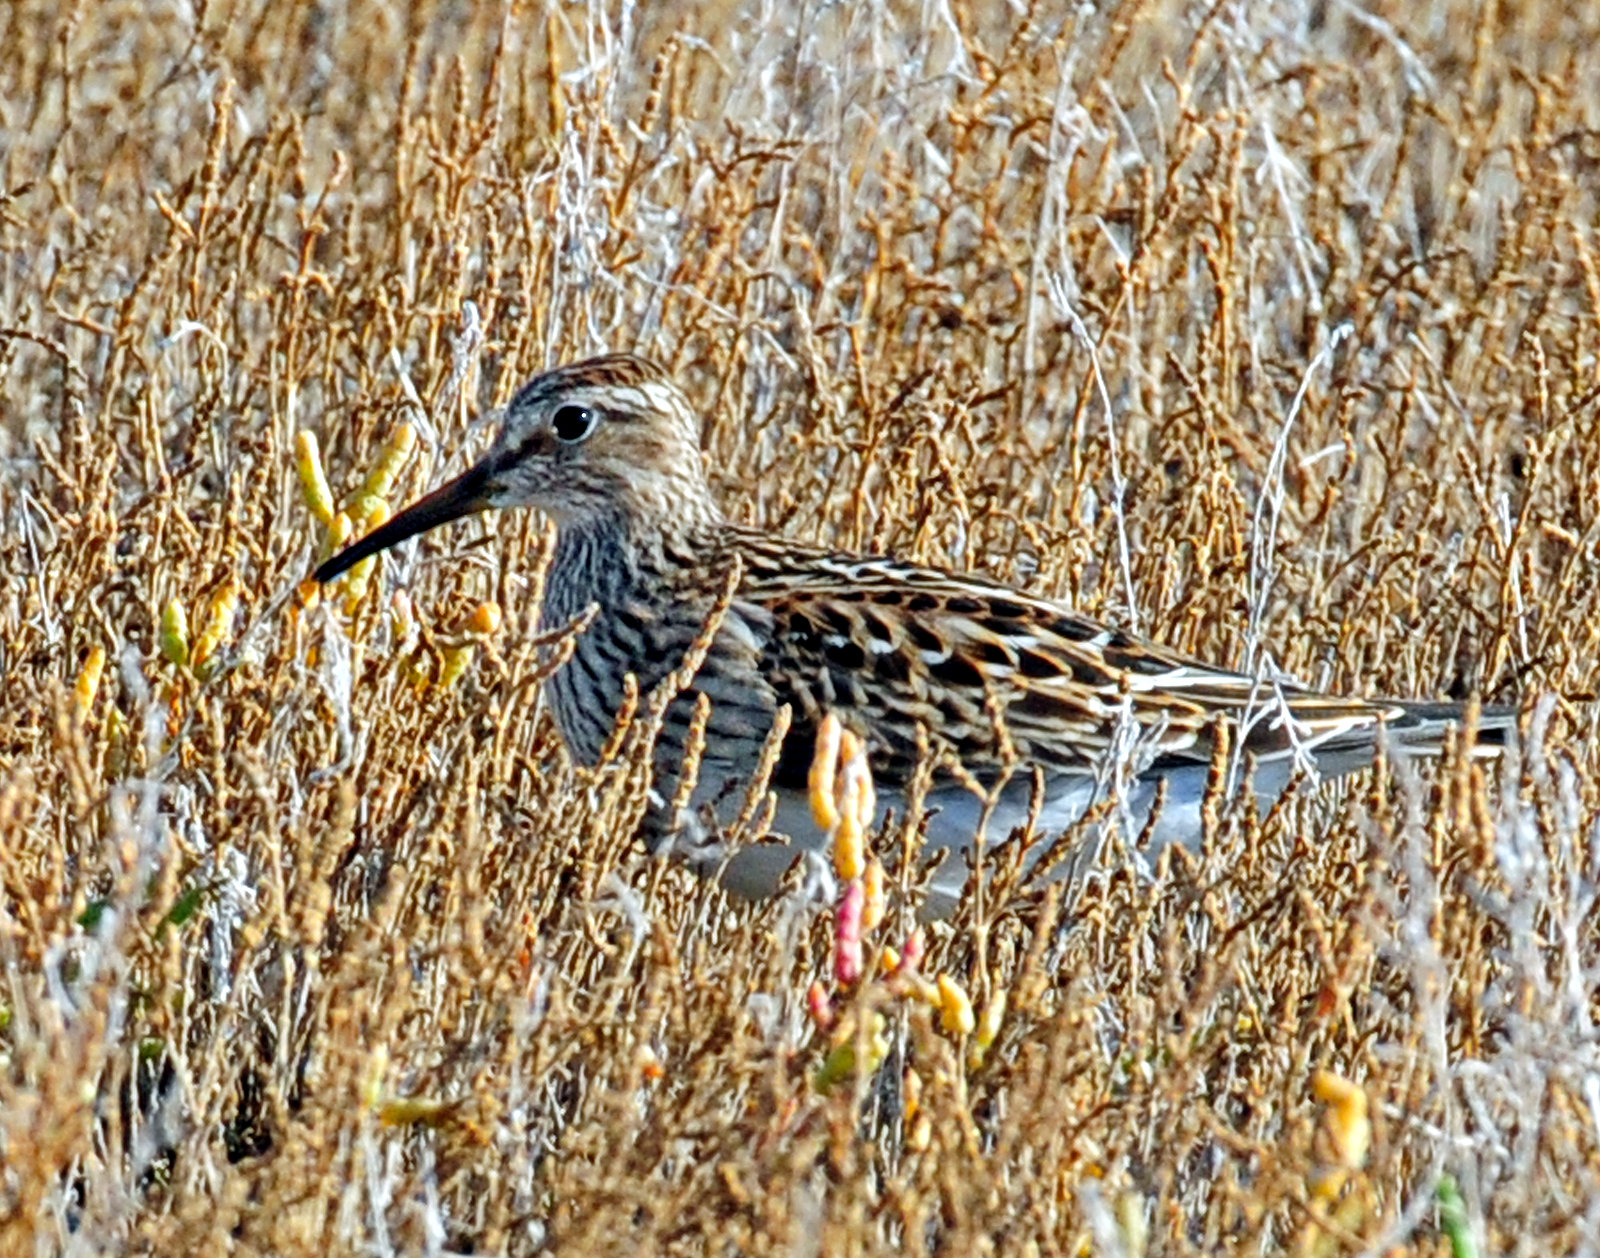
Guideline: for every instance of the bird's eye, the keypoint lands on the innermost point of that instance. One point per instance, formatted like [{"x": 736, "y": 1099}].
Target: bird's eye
[{"x": 573, "y": 423}]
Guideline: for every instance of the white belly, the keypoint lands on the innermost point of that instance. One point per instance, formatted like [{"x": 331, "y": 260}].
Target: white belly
[{"x": 955, "y": 815}]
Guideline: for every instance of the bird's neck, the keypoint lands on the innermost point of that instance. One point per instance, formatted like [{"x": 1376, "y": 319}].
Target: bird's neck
[
  {"x": 614, "y": 561},
  {"x": 649, "y": 608}
]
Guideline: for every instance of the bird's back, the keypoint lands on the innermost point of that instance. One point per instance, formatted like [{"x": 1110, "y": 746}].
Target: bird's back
[{"x": 998, "y": 678}]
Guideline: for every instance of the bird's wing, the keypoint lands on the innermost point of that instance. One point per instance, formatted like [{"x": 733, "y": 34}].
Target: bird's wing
[{"x": 890, "y": 647}]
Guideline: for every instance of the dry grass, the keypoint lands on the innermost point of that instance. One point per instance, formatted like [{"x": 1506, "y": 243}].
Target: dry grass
[{"x": 1271, "y": 330}]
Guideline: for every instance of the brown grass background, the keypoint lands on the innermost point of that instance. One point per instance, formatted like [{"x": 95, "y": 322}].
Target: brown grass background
[{"x": 307, "y": 952}]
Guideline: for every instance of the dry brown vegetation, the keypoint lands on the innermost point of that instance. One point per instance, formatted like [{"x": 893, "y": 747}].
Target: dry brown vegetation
[{"x": 310, "y": 950}]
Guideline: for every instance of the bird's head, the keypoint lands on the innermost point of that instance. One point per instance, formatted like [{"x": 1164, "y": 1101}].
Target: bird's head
[{"x": 607, "y": 440}]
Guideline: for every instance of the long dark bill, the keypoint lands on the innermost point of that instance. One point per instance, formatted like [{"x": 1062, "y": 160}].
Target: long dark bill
[{"x": 466, "y": 495}]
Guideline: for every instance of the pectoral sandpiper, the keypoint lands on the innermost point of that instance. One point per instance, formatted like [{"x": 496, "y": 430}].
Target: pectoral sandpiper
[{"x": 999, "y": 687}]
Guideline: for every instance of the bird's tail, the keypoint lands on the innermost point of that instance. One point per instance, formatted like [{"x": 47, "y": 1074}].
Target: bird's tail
[
  {"x": 1344, "y": 737},
  {"x": 1423, "y": 728}
]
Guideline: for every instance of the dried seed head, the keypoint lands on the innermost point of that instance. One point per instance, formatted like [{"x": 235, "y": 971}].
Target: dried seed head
[
  {"x": 824, "y": 767},
  {"x": 873, "y": 907},
  {"x": 88, "y": 683},
  {"x": 175, "y": 633},
  {"x": 1347, "y": 1119},
  {"x": 485, "y": 619},
  {"x": 376, "y": 514},
  {"x": 955, "y": 1007},
  {"x": 993, "y": 1015},
  {"x": 457, "y": 659},
  {"x": 340, "y": 530},
  {"x": 391, "y": 459},
  {"x": 313, "y": 482},
  {"x": 818, "y": 1005},
  {"x": 218, "y": 622},
  {"x": 847, "y": 935}
]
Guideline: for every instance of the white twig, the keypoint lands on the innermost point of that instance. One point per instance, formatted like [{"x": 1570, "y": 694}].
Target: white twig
[
  {"x": 1119, "y": 484},
  {"x": 1264, "y": 540}
]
